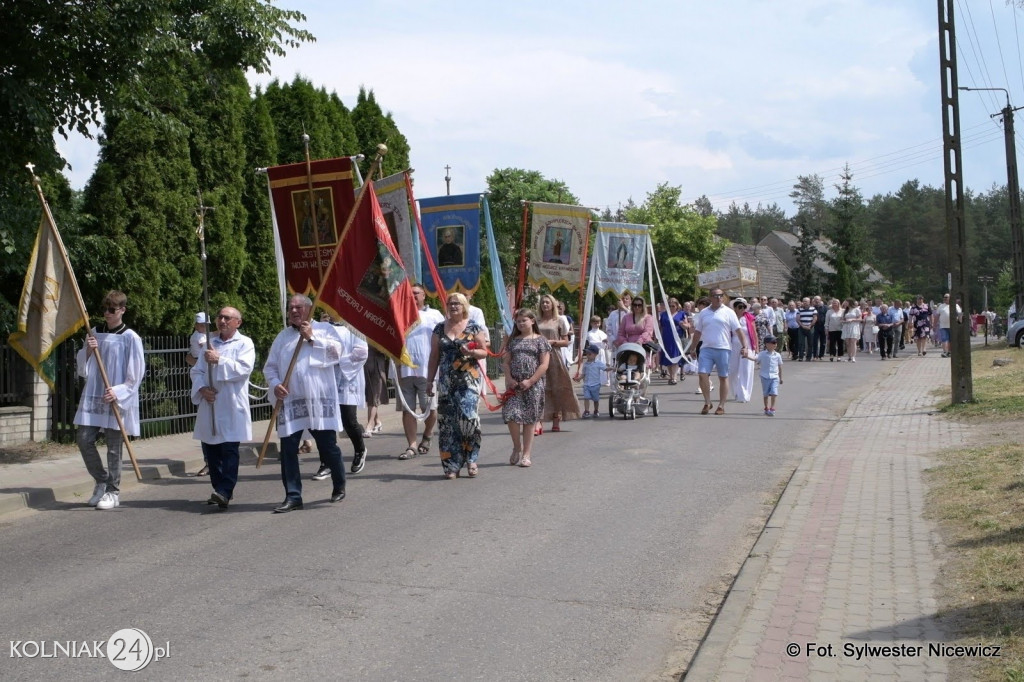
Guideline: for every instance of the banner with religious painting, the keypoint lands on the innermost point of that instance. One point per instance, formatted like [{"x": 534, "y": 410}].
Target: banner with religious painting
[
  {"x": 451, "y": 225},
  {"x": 393, "y": 196},
  {"x": 367, "y": 284},
  {"x": 620, "y": 258},
  {"x": 557, "y": 244},
  {"x": 305, "y": 229}
]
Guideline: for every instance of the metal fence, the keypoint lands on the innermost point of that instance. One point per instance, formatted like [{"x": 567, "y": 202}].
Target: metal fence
[
  {"x": 12, "y": 372},
  {"x": 165, "y": 405}
]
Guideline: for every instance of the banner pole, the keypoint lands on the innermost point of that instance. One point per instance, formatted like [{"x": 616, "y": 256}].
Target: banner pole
[
  {"x": 312, "y": 210},
  {"x": 583, "y": 324},
  {"x": 521, "y": 282},
  {"x": 201, "y": 231},
  {"x": 85, "y": 314},
  {"x": 381, "y": 151}
]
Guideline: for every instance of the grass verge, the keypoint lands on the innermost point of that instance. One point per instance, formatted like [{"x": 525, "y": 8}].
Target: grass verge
[{"x": 977, "y": 497}]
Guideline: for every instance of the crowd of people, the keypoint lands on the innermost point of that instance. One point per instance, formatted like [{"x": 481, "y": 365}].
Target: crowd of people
[{"x": 320, "y": 373}]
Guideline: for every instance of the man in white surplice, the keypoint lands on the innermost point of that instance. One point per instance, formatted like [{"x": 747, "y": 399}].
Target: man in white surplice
[
  {"x": 120, "y": 348},
  {"x": 310, "y": 399},
  {"x": 220, "y": 389}
]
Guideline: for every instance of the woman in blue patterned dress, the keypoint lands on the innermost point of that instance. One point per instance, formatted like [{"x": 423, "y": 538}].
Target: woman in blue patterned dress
[
  {"x": 455, "y": 348},
  {"x": 525, "y": 364}
]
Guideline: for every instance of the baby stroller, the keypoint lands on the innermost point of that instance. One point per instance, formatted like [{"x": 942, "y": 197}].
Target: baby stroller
[{"x": 633, "y": 376}]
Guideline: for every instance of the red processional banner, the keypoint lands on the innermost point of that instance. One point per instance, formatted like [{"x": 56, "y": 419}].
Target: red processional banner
[
  {"x": 368, "y": 286},
  {"x": 306, "y": 231}
]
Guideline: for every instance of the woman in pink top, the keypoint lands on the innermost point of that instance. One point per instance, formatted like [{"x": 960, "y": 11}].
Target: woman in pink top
[{"x": 637, "y": 326}]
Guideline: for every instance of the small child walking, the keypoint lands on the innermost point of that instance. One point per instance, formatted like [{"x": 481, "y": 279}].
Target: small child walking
[
  {"x": 593, "y": 372},
  {"x": 770, "y": 363}
]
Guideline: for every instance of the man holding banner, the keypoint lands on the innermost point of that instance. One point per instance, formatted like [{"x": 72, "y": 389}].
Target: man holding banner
[
  {"x": 120, "y": 350},
  {"x": 310, "y": 397}
]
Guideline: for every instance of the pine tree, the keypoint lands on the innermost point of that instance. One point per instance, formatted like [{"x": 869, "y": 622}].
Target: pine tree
[
  {"x": 805, "y": 277},
  {"x": 848, "y": 252},
  {"x": 373, "y": 127}
]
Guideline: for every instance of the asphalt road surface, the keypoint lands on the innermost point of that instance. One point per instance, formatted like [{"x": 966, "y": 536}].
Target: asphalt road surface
[{"x": 601, "y": 562}]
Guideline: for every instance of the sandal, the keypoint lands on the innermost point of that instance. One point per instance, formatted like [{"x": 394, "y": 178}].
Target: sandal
[
  {"x": 539, "y": 430},
  {"x": 472, "y": 470},
  {"x": 379, "y": 428},
  {"x": 424, "y": 446},
  {"x": 514, "y": 459},
  {"x": 556, "y": 428},
  {"x": 720, "y": 410},
  {"x": 306, "y": 446},
  {"x": 705, "y": 409},
  {"x": 409, "y": 453},
  {"x": 450, "y": 475},
  {"x": 525, "y": 462}
]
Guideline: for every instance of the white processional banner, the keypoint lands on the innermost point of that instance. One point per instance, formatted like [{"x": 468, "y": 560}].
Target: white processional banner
[{"x": 620, "y": 258}]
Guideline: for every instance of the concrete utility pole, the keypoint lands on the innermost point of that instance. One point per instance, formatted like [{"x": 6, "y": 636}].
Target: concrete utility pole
[
  {"x": 956, "y": 232},
  {"x": 1013, "y": 190}
]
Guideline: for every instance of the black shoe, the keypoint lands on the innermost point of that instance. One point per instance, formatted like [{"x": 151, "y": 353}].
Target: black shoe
[
  {"x": 287, "y": 506},
  {"x": 358, "y": 462},
  {"x": 219, "y": 500},
  {"x": 205, "y": 471},
  {"x": 338, "y": 495},
  {"x": 323, "y": 473}
]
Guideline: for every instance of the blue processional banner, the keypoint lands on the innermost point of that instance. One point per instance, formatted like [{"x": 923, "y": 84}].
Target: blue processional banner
[
  {"x": 451, "y": 225},
  {"x": 620, "y": 258}
]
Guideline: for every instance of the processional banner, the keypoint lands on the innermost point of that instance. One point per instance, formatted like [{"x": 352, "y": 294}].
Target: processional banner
[
  {"x": 305, "y": 230},
  {"x": 451, "y": 225},
  {"x": 393, "y": 196},
  {"x": 367, "y": 284},
  {"x": 620, "y": 258},
  {"x": 557, "y": 244}
]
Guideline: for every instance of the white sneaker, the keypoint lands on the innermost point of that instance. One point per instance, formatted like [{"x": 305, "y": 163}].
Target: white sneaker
[
  {"x": 108, "y": 501},
  {"x": 97, "y": 494}
]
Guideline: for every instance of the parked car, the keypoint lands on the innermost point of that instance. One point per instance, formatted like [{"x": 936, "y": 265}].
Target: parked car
[{"x": 1015, "y": 334}]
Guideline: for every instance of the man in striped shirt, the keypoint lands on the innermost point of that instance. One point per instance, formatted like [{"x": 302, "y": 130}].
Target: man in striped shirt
[{"x": 807, "y": 316}]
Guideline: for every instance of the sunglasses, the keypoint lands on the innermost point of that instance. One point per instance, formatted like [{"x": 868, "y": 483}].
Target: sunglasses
[
  {"x": 111, "y": 310},
  {"x": 226, "y": 317}
]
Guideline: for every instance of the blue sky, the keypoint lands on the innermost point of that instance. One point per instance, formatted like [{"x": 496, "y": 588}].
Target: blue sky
[{"x": 729, "y": 99}]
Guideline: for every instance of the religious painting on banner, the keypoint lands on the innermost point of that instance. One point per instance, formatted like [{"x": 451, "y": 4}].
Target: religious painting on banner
[
  {"x": 451, "y": 226},
  {"x": 303, "y": 224},
  {"x": 393, "y": 196},
  {"x": 557, "y": 245},
  {"x": 620, "y": 258},
  {"x": 367, "y": 284}
]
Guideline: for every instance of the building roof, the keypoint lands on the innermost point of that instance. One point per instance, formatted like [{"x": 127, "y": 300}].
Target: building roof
[
  {"x": 778, "y": 240},
  {"x": 772, "y": 273}
]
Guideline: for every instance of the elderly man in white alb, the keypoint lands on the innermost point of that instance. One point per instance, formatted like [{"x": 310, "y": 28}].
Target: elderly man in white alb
[
  {"x": 310, "y": 399},
  {"x": 412, "y": 381},
  {"x": 716, "y": 325},
  {"x": 220, "y": 389}
]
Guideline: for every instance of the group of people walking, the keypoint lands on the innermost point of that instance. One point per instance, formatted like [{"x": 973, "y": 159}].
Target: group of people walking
[{"x": 316, "y": 371}]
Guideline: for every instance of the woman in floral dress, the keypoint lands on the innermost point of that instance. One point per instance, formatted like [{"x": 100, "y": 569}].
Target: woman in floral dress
[
  {"x": 525, "y": 364},
  {"x": 921, "y": 319},
  {"x": 455, "y": 348}
]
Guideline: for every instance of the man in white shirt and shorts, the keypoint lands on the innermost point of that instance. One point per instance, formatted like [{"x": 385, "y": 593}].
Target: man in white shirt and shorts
[{"x": 715, "y": 326}]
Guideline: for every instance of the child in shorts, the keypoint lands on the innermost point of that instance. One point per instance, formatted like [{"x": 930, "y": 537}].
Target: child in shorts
[
  {"x": 770, "y": 363},
  {"x": 593, "y": 372}
]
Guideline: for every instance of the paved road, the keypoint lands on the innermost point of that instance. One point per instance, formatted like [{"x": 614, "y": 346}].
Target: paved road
[{"x": 598, "y": 563}]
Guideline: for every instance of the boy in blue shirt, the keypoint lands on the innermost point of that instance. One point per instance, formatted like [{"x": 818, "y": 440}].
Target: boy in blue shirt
[
  {"x": 593, "y": 376},
  {"x": 770, "y": 363}
]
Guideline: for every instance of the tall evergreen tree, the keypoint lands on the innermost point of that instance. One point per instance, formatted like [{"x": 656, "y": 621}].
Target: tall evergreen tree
[
  {"x": 297, "y": 109},
  {"x": 847, "y": 254},
  {"x": 373, "y": 127},
  {"x": 805, "y": 278}
]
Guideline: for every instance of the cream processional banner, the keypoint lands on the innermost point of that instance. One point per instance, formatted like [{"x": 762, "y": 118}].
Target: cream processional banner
[
  {"x": 620, "y": 258},
  {"x": 557, "y": 243}
]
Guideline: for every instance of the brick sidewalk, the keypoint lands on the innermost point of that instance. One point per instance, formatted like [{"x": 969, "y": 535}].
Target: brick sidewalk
[{"x": 847, "y": 558}]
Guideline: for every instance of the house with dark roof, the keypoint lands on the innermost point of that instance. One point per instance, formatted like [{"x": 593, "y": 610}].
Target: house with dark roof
[{"x": 774, "y": 258}]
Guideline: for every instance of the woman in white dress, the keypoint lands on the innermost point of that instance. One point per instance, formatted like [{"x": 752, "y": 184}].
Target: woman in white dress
[
  {"x": 741, "y": 370},
  {"x": 851, "y": 328}
]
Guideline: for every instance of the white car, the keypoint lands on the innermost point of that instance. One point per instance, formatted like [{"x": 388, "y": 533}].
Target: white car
[{"x": 1015, "y": 334}]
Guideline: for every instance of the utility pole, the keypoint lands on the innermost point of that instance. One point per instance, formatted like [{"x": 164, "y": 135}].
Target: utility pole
[
  {"x": 1013, "y": 190},
  {"x": 985, "y": 281},
  {"x": 956, "y": 232},
  {"x": 447, "y": 180}
]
